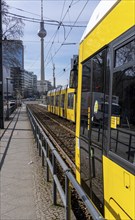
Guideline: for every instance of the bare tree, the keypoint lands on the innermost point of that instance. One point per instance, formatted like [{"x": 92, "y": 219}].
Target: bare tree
[
  {"x": 12, "y": 26},
  {"x": 12, "y": 31}
]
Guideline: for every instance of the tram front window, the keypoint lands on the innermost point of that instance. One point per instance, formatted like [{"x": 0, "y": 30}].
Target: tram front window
[
  {"x": 123, "y": 126},
  {"x": 94, "y": 121}
]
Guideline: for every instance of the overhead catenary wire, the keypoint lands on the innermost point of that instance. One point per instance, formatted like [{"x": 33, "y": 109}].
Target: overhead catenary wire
[
  {"x": 58, "y": 24},
  {"x": 49, "y": 51},
  {"x": 68, "y": 32},
  {"x": 46, "y": 18},
  {"x": 46, "y": 0},
  {"x": 46, "y": 21},
  {"x": 61, "y": 23}
]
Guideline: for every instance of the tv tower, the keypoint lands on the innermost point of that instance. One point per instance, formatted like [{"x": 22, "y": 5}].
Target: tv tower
[{"x": 42, "y": 33}]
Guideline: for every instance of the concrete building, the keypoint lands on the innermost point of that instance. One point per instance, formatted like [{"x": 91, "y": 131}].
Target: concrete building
[
  {"x": 13, "y": 56},
  {"x": 24, "y": 83},
  {"x": 34, "y": 84},
  {"x": 46, "y": 85},
  {"x": 6, "y": 80}
]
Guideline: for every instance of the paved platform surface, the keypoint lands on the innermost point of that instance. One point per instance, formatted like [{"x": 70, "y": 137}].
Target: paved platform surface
[{"x": 24, "y": 193}]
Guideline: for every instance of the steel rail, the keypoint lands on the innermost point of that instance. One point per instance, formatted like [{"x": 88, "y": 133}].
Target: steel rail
[
  {"x": 69, "y": 178},
  {"x": 68, "y": 129},
  {"x": 61, "y": 151},
  {"x": 72, "y": 132}
]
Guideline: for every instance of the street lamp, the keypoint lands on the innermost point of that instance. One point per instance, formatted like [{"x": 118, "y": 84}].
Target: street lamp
[{"x": 7, "y": 114}]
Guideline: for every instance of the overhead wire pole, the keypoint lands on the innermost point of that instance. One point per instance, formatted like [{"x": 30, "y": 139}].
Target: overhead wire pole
[
  {"x": 54, "y": 84},
  {"x": 1, "y": 73}
]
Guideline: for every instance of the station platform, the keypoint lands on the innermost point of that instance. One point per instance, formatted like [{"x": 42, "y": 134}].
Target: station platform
[{"x": 24, "y": 192}]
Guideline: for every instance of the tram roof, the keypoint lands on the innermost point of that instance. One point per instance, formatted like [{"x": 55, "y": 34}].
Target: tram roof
[{"x": 100, "y": 11}]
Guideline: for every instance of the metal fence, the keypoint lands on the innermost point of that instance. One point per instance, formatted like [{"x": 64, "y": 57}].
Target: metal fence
[
  {"x": 45, "y": 146},
  {"x": 8, "y": 111}
]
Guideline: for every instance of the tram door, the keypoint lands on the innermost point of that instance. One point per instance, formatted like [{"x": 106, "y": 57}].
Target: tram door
[{"x": 94, "y": 119}]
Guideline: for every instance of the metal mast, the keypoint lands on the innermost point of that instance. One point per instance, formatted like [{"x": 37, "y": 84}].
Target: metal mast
[
  {"x": 54, "y": 76},
  {"x": 42, "y": 33},
  {"x": 1, "y": 73}
]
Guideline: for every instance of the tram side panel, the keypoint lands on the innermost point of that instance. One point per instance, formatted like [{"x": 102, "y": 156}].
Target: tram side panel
[
  {"x": 119, "y": 191},
  {"x": 57, "y": 103},
  {"x": 48, "y": 102},
  {"x": 63, "y": 103},
  {"x": 71, "y": 105},
  {"x": 105, "y": 152},
  {"x": 53, "y": 103}
]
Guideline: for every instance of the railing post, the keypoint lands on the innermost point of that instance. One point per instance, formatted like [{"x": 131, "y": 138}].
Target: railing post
[
  {"x": 47, "y": 167},
  {"x": 54, "y": 184},
  {"x": 51, "y": 165},
  {"x": 43, "y": 146},
  {"x": 34, "y": 124},
  {"x": 68, "y": 199},
  {"x": 37, "y": 135},
  {"x": 40, "y": 142}
]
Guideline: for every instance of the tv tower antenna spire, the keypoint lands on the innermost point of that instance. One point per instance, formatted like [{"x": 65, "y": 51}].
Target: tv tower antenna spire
[{"x": 41, "y": 10}]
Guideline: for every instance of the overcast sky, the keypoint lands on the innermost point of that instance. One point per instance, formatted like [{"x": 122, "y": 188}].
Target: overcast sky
[{"x": 69, "y": 12}]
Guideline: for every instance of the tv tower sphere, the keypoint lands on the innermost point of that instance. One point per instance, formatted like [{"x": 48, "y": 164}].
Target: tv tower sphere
[{"x": 42, "y": 32}]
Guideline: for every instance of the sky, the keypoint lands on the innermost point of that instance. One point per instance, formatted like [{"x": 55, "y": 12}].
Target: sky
[{"x": 61, "y": 41}]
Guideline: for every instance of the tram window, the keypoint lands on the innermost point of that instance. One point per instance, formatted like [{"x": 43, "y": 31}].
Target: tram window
[
  {"x": 85, "y": 100},
  {"x": 86, "y": 76},
  {"x": 70, "y": 100},
  {"x": 125, "y": 54},
  {"x": 99, "y": 105},
  {"x": 94, "y": 125},
  {"x": 57, "y": 100},
  {"x": 62, "y": 100},
  {"x": 123, "y": 122},
  {"x": 48, "y": 100},
  {"x": 51, "y": 100}
]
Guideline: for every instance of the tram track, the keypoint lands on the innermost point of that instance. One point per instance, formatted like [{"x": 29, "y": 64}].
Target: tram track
[
  {"x": 63, "y": 138},
  {"x": 51, "y": 126},
  {"x": 60, "y": 135}
]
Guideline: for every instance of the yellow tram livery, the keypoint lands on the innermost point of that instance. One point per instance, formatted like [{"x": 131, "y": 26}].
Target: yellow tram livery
[
  {"x": 105, "y": 123},
  {"x": 50, "y": 100},
  {"x": 62, "y": 102},
  {"x": 71, "y": 104}
]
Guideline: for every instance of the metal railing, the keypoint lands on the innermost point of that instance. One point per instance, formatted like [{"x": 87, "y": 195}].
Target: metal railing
[
  {"x": 45, "y": 146},
  {"x": 9, "y": 111}
]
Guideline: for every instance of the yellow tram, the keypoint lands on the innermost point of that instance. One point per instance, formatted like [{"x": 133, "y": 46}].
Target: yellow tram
[
  {"x": 62, "y": 102},
  {"x": 105, "y": 123}
]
